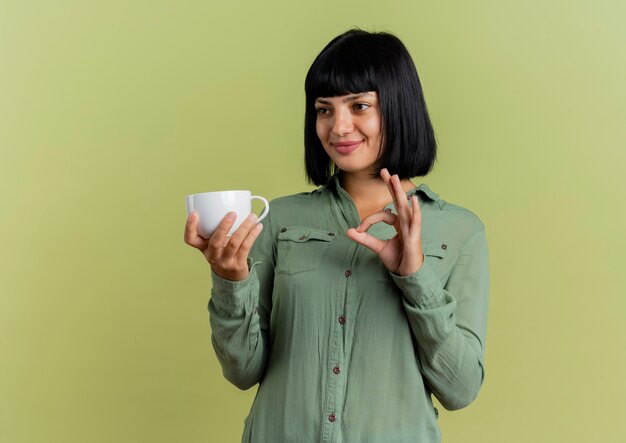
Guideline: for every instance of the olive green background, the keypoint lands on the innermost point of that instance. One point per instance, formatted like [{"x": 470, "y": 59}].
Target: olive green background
[{"x": 111, "y": 112}]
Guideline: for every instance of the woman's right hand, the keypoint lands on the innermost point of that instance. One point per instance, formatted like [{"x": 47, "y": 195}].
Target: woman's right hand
[{"x": 228, "y": 257}]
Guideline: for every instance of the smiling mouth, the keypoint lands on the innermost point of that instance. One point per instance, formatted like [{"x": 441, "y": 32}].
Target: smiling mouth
[{"x": 347, "y": 147}]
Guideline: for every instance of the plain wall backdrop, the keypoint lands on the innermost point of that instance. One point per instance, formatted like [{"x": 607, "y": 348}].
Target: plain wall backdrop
[{"x": 112, "y": 111}]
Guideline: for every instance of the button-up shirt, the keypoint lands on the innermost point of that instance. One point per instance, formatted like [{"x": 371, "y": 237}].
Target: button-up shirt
[{"x": 343, "y": 349}]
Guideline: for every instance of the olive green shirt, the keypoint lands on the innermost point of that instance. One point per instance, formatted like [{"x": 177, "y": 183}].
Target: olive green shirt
[{"x": 343, "y": 349}]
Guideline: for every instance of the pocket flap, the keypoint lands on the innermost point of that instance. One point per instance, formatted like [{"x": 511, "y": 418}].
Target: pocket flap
[
  {"x": 435, "y": 248},
  {"x": 302, "y": 234}
]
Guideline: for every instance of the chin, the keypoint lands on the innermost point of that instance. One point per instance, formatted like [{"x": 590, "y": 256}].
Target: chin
[{"x": 355, "y": 169}]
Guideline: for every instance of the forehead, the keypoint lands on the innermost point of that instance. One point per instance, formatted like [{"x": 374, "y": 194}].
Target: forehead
[{"x": 348, "y": 97}]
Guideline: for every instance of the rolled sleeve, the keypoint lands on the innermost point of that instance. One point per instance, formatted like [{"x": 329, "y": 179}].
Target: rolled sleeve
[
  {"x": 234, "y": 298},
  {"x": 422, "y": 289}
]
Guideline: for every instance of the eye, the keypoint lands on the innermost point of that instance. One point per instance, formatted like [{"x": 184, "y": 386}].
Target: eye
[
  {"x": 361, "y": 106},
  {"x": 322, "y": 111}
]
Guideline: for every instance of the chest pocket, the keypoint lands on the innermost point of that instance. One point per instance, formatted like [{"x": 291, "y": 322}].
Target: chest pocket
[
  {"x": 434, "y": 248},
  {"x": 301, "y": 249},
  {"x": 435, "y": 252}
]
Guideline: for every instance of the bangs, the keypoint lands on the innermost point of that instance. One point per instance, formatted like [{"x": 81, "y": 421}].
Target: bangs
[{"x": 340, "y": 72}]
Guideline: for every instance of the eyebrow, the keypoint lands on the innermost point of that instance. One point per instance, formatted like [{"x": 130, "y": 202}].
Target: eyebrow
[{"x": 349, "y": 98}]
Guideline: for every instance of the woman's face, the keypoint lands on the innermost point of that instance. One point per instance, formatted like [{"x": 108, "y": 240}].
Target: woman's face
[{"x": 349, "y": 128}]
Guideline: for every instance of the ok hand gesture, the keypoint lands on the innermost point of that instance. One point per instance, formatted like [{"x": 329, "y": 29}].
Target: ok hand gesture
[{"x": 401, "y": 254}]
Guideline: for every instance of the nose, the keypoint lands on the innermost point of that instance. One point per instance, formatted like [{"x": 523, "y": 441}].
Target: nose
[{"x": 342, "y": 123}]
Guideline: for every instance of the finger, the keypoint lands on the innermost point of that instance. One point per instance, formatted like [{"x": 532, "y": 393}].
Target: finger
[
  {"x": 384, "y": 216},
  {"x": 244, "y": 249},
  {"x": 416, "y": 217},
  {"x": 231, "y": 248},
  {"x": 191, "y": 234},
  {"x": 218, "y": 238},
  {"x": 399, "y": 198},
  {"x": 402, "y": 206},
  {"x": 384, "y": 173},
  {"x": 373, "y": 243}
]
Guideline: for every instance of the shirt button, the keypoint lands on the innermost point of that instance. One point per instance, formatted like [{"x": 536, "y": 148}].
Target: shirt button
[
  {"x": 283, "y": 229},
  {"x": 332, "y": 418},
  {"x": 342, "y": 319},
  {"x": 332, "y": 234},
  {"x": 444, "y": 246},
  {"x": 348, "y": 272},
  {"x": 336, "y": 370}
]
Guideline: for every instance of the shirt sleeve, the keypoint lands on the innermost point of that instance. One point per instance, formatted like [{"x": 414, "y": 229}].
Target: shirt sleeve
[
  {"x": 239, "y": 313},
  {"x": 449, "y": 323}
]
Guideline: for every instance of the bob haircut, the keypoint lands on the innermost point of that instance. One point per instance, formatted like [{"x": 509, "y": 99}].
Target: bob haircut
[{"x": 359, "y": 61}]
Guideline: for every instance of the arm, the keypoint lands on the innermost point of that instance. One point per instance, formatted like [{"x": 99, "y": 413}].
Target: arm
[
  {"x": 241, "y": 294},
  {"x": 449, "y": 323},
  {"x": 239, "y": 313}
]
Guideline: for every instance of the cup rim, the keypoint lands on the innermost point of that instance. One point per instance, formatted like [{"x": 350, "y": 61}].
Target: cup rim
[{"x": 219, "y": 192}]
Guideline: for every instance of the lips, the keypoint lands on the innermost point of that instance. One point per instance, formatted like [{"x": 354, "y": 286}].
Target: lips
[{"x": 347, "y": 147}]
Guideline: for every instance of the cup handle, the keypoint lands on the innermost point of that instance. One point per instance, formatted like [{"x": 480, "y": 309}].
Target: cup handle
[{"x": 267, "y": 206}]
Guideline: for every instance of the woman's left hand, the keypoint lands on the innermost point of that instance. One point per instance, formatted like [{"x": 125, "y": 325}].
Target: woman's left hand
[{"x": 401, "y": 254}]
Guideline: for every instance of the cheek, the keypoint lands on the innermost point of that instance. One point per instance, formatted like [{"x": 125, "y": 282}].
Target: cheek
[
  {"x": 374, "y": 127},
  {"x": 374, "y": 133},
  {"x": 322, "y": 131},
  {"x": 318, "y": 127}
]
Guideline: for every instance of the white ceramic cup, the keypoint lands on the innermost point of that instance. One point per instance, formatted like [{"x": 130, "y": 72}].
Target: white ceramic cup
[{"x": 212, "y": 207}]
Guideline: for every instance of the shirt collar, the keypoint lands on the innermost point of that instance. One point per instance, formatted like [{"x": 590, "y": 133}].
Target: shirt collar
[
  {"x": 334, "y": 184},
  {"x": 425, "y": 190}
]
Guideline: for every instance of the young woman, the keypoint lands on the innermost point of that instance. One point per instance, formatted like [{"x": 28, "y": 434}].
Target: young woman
[{"x": 351, "y": 305}]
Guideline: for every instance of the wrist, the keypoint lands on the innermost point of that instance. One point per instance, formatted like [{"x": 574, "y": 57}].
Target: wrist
[
  {"x": 410, "y": 269},
  {"x": 236, "y": 276}
]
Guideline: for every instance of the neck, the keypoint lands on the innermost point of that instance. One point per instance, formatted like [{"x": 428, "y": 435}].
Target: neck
[{"x": 367, "y": 191}]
